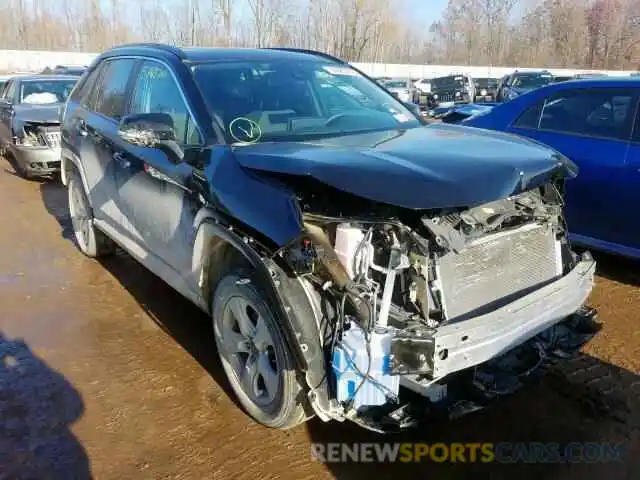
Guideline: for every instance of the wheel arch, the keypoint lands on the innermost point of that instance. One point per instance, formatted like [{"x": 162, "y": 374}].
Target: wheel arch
[
  {"x": 69, "y": 161},
  {"x": 218, "y": 249}
]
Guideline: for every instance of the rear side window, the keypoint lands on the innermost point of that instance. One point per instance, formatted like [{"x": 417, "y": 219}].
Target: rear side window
[
  {"x": 85, "y": 86},
  {"x": 111, "y": 95},
  {"x": 595, "y": 113}
]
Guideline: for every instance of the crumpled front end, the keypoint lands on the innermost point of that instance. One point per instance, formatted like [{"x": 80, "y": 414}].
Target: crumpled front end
[
  {"x": 453, "y": 305},
  {"x": 36, "y": 146}
]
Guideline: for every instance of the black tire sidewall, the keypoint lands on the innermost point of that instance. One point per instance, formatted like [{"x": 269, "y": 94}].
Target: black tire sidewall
[{"x": 90, "y": 249}]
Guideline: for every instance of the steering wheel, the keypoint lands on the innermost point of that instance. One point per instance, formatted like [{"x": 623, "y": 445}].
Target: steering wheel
[
  {"x": 333, "y": 118},
  {"x": 352, "y": 113}
]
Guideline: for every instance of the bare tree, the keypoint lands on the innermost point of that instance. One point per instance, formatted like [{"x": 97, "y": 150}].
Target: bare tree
[{"x": 570, "y": 33}]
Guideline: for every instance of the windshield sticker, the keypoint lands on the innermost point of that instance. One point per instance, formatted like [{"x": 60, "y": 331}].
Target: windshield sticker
[
  {"x": 350, "y": 90},
  {"x": 244, "y": 130},
  {"x": 401, "y": 117},
  {"x": 345, "y": 71}
]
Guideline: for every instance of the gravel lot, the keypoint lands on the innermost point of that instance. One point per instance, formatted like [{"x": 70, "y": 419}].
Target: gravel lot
[{"x": 105, "y": 372}]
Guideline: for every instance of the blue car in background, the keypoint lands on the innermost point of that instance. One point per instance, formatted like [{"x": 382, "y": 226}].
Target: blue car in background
[{"x": 596, "y": 123}]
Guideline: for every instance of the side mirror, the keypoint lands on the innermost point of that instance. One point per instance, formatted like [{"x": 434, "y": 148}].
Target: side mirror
[
  {"x": 4, "y": 103},
  {"x": 147, "y": 129}
]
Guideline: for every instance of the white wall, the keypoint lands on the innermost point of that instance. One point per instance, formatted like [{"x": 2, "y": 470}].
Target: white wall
[
  {"x": 432, "y": 71},
  {"x": 36, "y": 61}
]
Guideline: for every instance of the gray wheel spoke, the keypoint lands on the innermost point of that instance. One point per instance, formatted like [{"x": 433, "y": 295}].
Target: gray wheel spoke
[
  {"x": 268, "y": 374},
  {"x": 262, "y": 337},
  {"x": 239, "y": 308},
  {"x": 234, "y": 342},
  {"x": 247, "y": 348},
  {"x": 250, "y": 378}
]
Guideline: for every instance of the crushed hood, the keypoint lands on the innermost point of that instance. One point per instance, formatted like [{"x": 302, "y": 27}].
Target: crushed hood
[
  {"x": 437, "y": 166},
  {"x": 44, "y": 113}
]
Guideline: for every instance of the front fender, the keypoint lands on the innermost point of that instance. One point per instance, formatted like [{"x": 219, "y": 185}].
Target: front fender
[
  {"x": 291, "y": 303},
  {"x": 265, "y": 206}
]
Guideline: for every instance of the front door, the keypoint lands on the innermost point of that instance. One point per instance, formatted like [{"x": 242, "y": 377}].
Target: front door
[{"x": 153, "y": 184}]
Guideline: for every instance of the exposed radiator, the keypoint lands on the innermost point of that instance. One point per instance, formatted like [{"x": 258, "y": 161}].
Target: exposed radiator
[{"x": 497, "y": 266}]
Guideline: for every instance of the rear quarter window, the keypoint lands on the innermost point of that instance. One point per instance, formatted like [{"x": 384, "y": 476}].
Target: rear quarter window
[{"x": 530, "y": 117}]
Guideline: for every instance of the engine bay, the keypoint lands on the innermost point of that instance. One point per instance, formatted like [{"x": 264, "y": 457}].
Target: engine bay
[{"x": 389, "y": 288}]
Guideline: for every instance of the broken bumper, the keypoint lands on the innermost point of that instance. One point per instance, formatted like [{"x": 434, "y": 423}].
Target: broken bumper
[
  {"x": 472, "y": 342},
  {"x": 37, "y": 160}
]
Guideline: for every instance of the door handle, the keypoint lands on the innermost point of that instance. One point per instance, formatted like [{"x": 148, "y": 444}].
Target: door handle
[
  {"x": 82, "y": 128},
  {"x": 121, "y": 159}
]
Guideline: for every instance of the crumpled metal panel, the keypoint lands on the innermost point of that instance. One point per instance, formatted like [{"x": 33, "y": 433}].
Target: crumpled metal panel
[{"x": 496, "y": 267}]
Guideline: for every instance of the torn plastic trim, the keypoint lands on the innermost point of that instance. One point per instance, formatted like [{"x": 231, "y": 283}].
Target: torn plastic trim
[{"x": 472, "y": 342}]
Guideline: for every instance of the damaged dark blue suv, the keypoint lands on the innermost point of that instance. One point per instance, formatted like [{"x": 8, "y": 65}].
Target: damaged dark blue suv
[{"x": 356, "y": 263}]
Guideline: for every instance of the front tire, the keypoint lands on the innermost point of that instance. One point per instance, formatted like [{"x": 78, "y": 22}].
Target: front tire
[
  {"x": 91, "y": 241},
  {"x": 255, "y": 355}
]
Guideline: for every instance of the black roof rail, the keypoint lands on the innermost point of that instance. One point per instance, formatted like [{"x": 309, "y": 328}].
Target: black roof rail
[
  {"x": 160, "y": 46},
  {"x": 308, "y": 52}
]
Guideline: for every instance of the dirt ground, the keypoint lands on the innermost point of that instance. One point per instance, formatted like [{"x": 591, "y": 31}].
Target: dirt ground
[{"x": 106, "y": 373}]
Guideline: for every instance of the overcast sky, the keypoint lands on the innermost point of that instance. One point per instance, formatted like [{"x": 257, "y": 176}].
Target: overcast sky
[{"x": 424, "y": 11}]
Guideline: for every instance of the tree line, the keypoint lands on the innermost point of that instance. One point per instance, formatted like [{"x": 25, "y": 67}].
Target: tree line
[{"x": 594, "y": 34}]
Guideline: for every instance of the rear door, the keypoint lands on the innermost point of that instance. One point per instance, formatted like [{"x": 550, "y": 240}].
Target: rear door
[
  {"x": 98, "y": 124},
  {"x": 592, "y": 127}
]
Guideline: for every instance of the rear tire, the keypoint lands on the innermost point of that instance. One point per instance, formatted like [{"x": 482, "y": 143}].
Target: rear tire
[
  {"x": 255, "y": 355},
  {"x": 91, "y": 241}
]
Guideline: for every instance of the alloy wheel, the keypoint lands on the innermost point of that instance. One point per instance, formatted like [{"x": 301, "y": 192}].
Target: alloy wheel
[{"x": 248, "y": 350}]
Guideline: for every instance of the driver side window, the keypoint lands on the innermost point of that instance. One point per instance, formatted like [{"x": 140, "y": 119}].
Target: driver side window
[{"x": 155, "y": 91}]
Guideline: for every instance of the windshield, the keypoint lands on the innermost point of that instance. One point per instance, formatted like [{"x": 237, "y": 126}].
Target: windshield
[
  {"x": 448, "y": 82},
  {"x": 531, "y": 81},
  {"x": 45, "y": 91},
  {"x": 296, "y": 100},
  {"x": 486, "y": 82}
]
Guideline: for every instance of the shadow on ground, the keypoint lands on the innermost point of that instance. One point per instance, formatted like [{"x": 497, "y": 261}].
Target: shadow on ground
[
  {"x": 617, "y": 268},
  {"x": 37, "y": 408},
  {"x": 55, "y": 200},
  {"x": 179, "y": 318}
]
